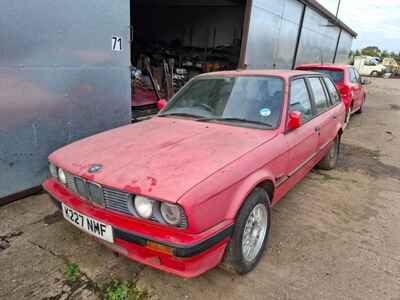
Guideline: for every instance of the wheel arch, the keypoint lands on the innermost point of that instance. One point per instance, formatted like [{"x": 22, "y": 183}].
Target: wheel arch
[{"x": 262, "y": 179}]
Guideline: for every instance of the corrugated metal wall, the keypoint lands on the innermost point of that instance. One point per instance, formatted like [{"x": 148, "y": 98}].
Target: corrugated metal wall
[
  {"x": 273, "y": 33},
  {"x": 59, "y": 81},
  {"x": 318, "y": 39},
  {"x": 274, "y": 29},
  {"x": 345, "y": 43}
]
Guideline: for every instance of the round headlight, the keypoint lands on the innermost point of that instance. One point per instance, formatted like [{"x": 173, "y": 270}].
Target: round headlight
[
  {"x": 61, "y": 176},
  {"x": 171, "y": 213},
  {"x": 144, "y": 207},
  {"x": 53, "y": 170}
]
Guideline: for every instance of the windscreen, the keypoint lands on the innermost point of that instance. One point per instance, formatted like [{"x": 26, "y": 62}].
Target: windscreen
[{"x": 239, "y": 99}]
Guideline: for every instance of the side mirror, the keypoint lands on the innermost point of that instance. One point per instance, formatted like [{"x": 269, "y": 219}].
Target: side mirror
[
  {"x": 294, "y": 121},
  {"x": 161, "y": 104}
]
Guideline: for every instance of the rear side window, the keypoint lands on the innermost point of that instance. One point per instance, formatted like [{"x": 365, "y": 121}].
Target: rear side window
[
  {"x": 321, "y": 101},
  {"x": 337, "y": 75},
  {"x": 332, "y": 90},
  {"x": 300, "y": 100},
  {"x": 352, "y": 76}
]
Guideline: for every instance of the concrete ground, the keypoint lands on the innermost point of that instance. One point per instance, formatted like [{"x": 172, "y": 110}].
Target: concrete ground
[{"x": 335, "y": 236}]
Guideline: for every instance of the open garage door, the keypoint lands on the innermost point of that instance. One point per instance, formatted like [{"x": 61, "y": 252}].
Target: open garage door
[{"x": 181, "y": 39}]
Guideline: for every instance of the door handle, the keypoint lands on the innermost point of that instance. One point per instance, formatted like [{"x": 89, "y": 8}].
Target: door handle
[
  {"x": 317, "y": 129},
  {"x": 334, "y": 117}
]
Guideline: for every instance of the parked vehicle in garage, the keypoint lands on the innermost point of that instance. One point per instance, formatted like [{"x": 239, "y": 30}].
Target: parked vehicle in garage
[
  {"x": 348, "y": 81},
  {"x": 195, "y": 185}
]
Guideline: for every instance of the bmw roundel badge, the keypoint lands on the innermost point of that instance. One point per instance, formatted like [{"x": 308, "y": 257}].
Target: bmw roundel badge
[{"x": 95, "y": 168}]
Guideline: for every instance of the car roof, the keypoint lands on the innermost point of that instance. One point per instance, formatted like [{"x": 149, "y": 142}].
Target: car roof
[
  {"x": 324, "y": 66},
  {"x": 280, "y": 73}
]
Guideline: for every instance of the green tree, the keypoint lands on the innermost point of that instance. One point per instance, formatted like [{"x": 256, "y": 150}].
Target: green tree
[
  {"x": 371, "y": 51},
  {"x": 385, "y": 54}
]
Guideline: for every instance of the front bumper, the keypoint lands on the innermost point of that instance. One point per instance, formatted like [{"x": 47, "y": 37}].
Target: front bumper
[{"x": 191, "y": 254}]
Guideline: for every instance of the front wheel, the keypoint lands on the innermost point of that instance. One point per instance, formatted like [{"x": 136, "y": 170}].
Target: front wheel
[
  {"x": 330, "y": 160},
  {"x": 250, "y": 235},
  {"x": 374, "y": 74}
]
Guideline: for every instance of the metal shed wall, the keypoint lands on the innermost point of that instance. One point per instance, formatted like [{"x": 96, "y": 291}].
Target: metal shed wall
[
  {"x": 284, "y": 33},
  {"x": 273, "y": 31},
  {"x": 344, "y": 47},
  {"x": 318, "y": 39},
  {"x": 59, "y": 81}
]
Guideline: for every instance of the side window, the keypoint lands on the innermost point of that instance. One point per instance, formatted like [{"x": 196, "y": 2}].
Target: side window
[
  {"x": 358, "y": 78},
  {"x": 332, "y": 90},
  {"x": 300, "y": 99},
  {"x": 352, "y": 75},
  {"x": 321, "y": 102}
]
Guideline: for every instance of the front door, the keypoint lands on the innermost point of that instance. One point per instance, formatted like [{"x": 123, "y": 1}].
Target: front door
[{"x": 302, "y": 142}]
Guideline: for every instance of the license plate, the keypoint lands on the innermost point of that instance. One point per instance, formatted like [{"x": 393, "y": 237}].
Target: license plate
[{"x": 89, "y": 225}]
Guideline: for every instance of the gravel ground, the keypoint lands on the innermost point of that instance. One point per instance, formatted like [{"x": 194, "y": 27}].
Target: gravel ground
[{"x": 335, "y": 236}]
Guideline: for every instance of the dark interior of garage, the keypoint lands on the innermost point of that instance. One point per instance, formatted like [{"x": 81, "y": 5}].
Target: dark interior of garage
[{"x": 175, "y": 40}]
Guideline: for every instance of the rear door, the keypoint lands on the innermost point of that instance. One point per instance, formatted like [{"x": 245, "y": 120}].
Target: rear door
[
  {"x": 356, "y": 87},
  {"x": 325, "y": 120}
]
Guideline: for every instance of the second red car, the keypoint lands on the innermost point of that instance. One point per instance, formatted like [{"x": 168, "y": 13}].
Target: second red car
[{"x": 347, "y": 80}]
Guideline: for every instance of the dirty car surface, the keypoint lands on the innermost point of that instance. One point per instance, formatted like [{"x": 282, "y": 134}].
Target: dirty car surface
[{"x": 175, "y": 192}]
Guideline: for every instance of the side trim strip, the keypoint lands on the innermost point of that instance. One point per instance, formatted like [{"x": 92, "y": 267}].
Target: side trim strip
[
  {"x": 299, "y": 167},
  {"x": 283, "y": 179}
]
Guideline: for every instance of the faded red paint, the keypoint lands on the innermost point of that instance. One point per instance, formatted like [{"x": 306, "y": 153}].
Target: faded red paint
[{"x": 209, "y": 169}]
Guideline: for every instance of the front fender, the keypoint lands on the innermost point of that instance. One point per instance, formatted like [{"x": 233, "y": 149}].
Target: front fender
[
  {"x": 245, "y": 188},
  {"x": 224, "y": 205}
]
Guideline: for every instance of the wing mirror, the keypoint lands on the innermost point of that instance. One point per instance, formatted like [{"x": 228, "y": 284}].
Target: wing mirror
[
  {"x": 161, "y": 104},
  {"x": 294, "y": 121}
]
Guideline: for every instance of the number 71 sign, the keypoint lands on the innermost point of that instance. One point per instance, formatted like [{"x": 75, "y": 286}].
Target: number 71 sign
[{"x": 116, "y": 43}]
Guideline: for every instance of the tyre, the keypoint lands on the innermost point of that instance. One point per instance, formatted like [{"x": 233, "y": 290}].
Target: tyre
[
  {"x": 374, "y": 73},
  {"x": 250, "y": 234},
  {"x": 348, "y": 115},
  {"x": 330, "y": 160},
  {"x": 361, "y": 107}
]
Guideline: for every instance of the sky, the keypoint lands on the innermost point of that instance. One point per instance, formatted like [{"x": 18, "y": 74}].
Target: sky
[{"x": 376, "y": 22}]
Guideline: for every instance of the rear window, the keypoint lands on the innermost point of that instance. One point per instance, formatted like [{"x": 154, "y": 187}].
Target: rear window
[{"x": 337, "y": 75}]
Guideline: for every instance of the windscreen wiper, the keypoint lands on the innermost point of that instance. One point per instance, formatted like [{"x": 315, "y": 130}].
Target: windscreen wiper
[
  {"x": 181, "y": 115},
  {"x": 240, "y": 120}
]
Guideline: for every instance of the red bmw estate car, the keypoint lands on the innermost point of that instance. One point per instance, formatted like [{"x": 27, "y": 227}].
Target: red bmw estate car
[
  {"x": 349, "y": 83},
  {"x": 194, "y": 186}
]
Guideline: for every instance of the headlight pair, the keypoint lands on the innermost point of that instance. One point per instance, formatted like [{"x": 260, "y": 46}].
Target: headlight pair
[
  {"x": 58, "y": 173},
  {"x": 171, "y": 214}
]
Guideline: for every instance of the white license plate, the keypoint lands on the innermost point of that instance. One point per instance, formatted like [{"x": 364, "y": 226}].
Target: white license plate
[{"x": 89, "y": 225}]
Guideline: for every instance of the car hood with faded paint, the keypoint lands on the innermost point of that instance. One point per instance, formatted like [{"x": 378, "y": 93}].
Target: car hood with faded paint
[{"x": 162, "y": 158}]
